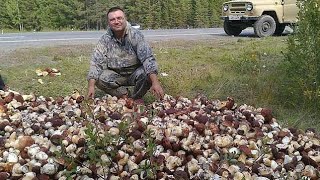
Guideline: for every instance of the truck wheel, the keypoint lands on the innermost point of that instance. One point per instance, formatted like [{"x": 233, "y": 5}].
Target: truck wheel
[
  {"x": 264, "y": 26},
  {"x": 230, "y": 29},
  {"x": 279, "y": 29}
]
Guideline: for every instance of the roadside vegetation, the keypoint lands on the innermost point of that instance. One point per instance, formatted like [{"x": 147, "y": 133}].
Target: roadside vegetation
[
  {"x": 302, "y": 65},
  {"x": 46, "y": 15}
]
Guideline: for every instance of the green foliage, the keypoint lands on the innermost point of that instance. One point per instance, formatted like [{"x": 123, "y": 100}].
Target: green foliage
[
  {"x": 200, "y": 13},
  {"x": 214, "y": 12},
  {"x": 302, "y": 63},
  {"x": 13, "y": 13},
  {"x": 85, "y": 15}
]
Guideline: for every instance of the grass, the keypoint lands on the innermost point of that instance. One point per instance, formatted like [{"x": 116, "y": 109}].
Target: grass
[
  {"x": 71, "y": 61},
  {"x": 246, "y": 69}
]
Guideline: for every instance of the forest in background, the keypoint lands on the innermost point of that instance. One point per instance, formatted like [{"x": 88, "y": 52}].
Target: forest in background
[{"x": 39, "y": 15}]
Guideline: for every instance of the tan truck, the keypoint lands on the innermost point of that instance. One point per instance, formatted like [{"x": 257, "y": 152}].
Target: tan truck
[{"x": 267, "y": 17}]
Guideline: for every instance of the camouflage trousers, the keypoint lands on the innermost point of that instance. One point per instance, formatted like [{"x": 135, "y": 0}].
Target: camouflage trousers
[{"x": 116, "y": 84}]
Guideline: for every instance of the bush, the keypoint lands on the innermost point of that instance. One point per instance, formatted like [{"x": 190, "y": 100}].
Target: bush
[{"x": 302, "y": 59}]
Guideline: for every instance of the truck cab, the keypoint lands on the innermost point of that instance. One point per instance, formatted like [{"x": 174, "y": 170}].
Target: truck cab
[{"x": 267, "y": 17}]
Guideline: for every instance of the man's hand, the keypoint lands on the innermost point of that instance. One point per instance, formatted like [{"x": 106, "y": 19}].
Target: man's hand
[
  {"x": 156, "y": 88},
  {"x": 91, "y": 90}
]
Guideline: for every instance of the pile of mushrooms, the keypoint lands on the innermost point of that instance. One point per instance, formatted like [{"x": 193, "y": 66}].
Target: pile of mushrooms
[{"x": 175, "y": 138}]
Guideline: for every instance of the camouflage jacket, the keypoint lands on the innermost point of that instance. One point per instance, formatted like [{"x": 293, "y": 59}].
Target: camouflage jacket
[{"x": 122, "y": 56}]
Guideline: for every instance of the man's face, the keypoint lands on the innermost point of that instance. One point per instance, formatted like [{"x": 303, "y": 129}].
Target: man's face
[{"x": 117, "y": 20}]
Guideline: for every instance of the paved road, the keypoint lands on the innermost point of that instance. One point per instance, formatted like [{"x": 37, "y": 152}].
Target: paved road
[{"x": 12, "y": 41}]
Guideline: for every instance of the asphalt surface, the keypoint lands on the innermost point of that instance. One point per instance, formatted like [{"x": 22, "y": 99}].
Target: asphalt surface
[{"x": 13, "y": 41}]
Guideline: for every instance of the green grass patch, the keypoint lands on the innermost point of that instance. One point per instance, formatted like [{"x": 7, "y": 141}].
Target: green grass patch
[
  {"x": 247, "y": 69},
  {"x": 20, "y": 72}
]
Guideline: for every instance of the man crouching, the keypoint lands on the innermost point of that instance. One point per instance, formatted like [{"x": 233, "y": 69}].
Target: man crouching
[{"x": 123, "y": 58}]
